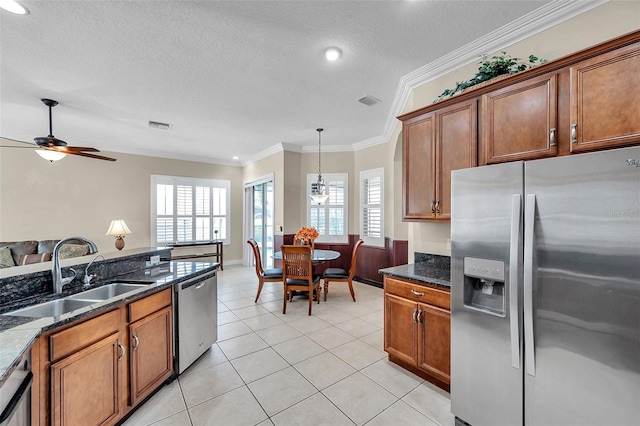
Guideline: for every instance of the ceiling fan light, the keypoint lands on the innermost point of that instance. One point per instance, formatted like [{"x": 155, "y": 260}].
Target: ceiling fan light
[
  {"x": 50, "y": 155},
  {"x": 13, "y": 7}
]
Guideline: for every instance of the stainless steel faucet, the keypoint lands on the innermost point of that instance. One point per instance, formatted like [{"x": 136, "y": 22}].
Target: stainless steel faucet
[
  {"x": 87, "y": 278},
  {"x": 58, "y": 280}
]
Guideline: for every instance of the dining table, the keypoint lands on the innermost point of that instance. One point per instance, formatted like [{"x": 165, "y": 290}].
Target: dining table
[{"x": 317, "y": 255}]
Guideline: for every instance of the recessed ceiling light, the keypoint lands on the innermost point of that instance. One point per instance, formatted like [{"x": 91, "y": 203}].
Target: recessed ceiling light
[
  {"x": 235, "y": 157},
  {"x": 13, "y": 6},
  {"x": 332, "y": 53}
]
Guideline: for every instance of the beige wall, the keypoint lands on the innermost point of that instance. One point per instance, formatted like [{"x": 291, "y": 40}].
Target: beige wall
[{"x": 77, "y": 196}]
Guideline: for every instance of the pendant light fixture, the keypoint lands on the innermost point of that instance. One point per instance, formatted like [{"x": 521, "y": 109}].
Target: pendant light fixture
[{"x": 319, "y": 190}]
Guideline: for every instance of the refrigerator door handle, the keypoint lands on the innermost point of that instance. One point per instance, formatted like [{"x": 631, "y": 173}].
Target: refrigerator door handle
[
  {"x": 529, "y": 221},
  {"x": 514, "y": 256}
]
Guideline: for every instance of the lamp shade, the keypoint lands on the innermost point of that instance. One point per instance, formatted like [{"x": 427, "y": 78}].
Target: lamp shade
[
  {"x": 118, "y": 227},
  {"x": 50, "y": 154}
]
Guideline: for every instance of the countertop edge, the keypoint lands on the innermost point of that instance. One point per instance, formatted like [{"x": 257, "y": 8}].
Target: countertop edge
[{"x": 432, "y": 276}]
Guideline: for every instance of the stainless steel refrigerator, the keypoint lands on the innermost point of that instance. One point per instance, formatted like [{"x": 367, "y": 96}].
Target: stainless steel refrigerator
[{"x": 545, "y": 291}]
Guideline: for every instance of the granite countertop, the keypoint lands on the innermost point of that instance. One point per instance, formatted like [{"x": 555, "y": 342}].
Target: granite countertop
[
  {"x": 17, "y": 334},
  {"x": 425, "y": 272}
]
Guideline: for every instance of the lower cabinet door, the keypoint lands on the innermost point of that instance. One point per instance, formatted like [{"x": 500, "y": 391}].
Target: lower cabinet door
[
  {"x": 434, "y": 334},
  {"x": 151, "y": 352},
  {"x": 86, "y": 386},
  {"x": 400, "y": 337}
]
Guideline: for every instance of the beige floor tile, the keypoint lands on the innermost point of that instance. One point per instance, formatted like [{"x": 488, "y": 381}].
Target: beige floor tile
[
  {"x": 298, "y": 349},
  {"x": 375, "y": 339},
  {"x": 237, "y": 407},
  {"x": 167, "y": 402},
  {"x": 281, "y": 390},
  {"x": 401, "y": 414},
  {"x": 358, "y": 354},
  {"x": 275, "y": 306},
  {"x": 213, "y": 356},
  {"x": 226, "y": 318},
  {"x": 392, "y": 377},
  {"x": 178, "y": 419},
  {"x": 359, "y": 397},
  {"x": 267, "y": 296},
  {"x": 242, "y": 345},
  {"x": 234, "y": 295},
  {"x": 330, "y": 337},
  {"x": 433, "y": 402},
  {"x": 315, "y": 410},
  {"x": 308, "y": 324},
  {"x": 209, "y": 383},
  {"x": 240, "y": 303},
  {"x": 376, "y": 318},
  {"x": 334, "y": 316},
  {"x": 259, "y": 364},
  {"x": 231, "y": 330},
  {"x": 324, "y": 370},
  {"x": 358, "y": 327},
  {"x": 263, "y": 321},
  {"x": 250, "y": 311},
  {"x": 278, "y": 334}
]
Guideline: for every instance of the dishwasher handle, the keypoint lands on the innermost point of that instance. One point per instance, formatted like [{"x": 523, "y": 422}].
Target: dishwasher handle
[
  {"x": 197, "y": 281},
  {"x": 25, "y": 387}
]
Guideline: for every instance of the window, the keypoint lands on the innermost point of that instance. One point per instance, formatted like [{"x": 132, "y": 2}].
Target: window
[
  {"x": 185, "y": 210},
  {"x": 330, "y": 218},
  {"x": 372, "y": 207}
]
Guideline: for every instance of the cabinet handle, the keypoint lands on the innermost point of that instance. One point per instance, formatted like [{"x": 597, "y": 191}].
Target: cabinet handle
[
  {"x": 574, "y": 133},
  {"x": 552, "y": 137},
  {"x": 419, "y": 316},
  {"x": 122, "y": 350},
  {"x": 433, "y": 206},
  {"x": 438, "y": 206},
  {"x": 415, "y": 315},
  {"x": 417, "y": 293},
  {"x": 136, "y": 343}
]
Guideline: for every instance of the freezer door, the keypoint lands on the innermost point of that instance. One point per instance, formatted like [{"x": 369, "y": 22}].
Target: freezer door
[
  {"x": 584, "y": 367},
  {"x": 486, "y": 325}
]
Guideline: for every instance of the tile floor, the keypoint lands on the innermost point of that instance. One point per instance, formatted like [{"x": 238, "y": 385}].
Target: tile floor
[{"x": 273, "y": 369}]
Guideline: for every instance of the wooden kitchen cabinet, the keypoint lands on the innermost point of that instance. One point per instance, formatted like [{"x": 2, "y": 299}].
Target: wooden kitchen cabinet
[
  {"x": 520, "y": 121},
  {"x": 433, "y": 145},
  {"x": 85, "y": 386},
  {"x": 417, "y": 328},
  {"x": 605, "y": 100},
  {"x": 151, "y": 353}
]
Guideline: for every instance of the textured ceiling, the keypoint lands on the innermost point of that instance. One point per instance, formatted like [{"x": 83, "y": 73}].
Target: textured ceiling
[{"x": 232, "y": 77}]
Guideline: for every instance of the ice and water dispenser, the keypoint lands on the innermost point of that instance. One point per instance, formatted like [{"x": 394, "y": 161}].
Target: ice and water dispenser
[{"x": 484, "y": 285}]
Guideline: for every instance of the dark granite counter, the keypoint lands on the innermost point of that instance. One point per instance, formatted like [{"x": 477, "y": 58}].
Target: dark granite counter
[
  {"x": 428, "y": 269},
  {"x": 17, "y": 334}
]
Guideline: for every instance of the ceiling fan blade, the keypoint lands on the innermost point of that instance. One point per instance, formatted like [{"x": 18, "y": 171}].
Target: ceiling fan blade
[
  {"x": 76, "y": 149},
  {"x": 16, "y": 140},
  {"x": 84, "y": 154}
]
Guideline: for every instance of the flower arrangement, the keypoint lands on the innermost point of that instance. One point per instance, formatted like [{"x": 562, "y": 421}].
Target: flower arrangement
[{"x": 306, "y": 235}]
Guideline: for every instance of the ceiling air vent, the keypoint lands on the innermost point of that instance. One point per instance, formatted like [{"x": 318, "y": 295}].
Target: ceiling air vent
[
  {"x": 158, "y": 125},
  {"x": 368, "y": 100}
]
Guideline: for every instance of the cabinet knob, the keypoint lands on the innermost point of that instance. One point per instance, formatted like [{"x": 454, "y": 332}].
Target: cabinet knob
[
  {"x": 552, "y": 137},
  {"x": 574, "y": 133}
]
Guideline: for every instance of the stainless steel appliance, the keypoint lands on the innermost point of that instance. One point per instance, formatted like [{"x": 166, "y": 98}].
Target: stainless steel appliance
[
  {"x": 15, "y": 395},
  {"x": 196, "y": 318},
  {"x": 546, "y": 291}
]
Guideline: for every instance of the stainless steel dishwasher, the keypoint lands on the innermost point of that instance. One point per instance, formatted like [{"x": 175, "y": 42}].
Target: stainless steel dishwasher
[
  {"x": 15, "y": 395},
  {"x": 195, "y": 318}
]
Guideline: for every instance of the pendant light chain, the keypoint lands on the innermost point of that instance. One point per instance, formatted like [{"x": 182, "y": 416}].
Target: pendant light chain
[{"x": 319, "y": 130}]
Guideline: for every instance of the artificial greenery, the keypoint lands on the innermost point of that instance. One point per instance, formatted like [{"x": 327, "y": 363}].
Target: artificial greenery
[{"x": 488, "y": 69}]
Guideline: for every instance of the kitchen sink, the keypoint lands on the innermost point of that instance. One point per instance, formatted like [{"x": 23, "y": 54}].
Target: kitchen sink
[
  {"x": 54, "y": 308},
  {"x": 106, "y": 292}
]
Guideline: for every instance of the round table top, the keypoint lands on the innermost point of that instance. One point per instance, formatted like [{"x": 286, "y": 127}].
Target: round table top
[{"x": 316, "y": 255}]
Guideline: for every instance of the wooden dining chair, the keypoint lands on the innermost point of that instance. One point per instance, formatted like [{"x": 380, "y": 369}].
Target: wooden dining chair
[
  {"x": 342, "y": 275},
  {"x": 268, "y": 275},
  {"x": 297, "y": 274}
]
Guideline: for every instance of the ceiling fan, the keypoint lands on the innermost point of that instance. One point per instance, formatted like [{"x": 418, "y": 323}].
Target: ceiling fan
[{"x": 54, "y": 149}]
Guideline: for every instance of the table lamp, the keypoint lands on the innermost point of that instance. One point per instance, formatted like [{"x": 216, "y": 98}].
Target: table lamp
[{"x": 118, "y": 229}]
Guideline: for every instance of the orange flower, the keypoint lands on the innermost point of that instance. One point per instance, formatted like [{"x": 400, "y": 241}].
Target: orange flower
[{"x": 307, "y": 234}]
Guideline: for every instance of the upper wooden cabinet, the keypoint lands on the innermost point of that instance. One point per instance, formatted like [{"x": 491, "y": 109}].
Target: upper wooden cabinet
[
  {"x": 519, "y": 122},
  {"x": 434, "y": 144},
  {"x": 605, "y": 100}
]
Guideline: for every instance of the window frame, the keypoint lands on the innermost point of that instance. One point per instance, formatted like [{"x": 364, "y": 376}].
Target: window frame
[
  {"x": 174, "y": 181},
  {"x": 313, "y": 178},
  {"x": 368, "y": 175}
]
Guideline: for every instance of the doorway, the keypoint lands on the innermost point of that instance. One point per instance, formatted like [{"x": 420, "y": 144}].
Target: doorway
[{"x": 260, "y": 219}]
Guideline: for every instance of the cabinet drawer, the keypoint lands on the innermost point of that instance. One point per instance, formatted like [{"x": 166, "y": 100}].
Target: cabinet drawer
[
  {"x": 418, "y": 293},
  {"x": 82, "y": 335},
  {"x": 149, "y": 305}
]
